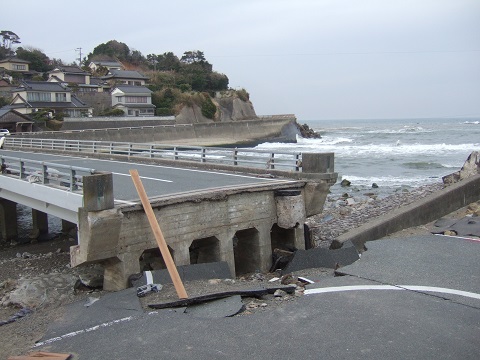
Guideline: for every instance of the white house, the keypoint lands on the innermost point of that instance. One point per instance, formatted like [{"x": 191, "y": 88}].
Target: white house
[{"x": 133, "y": 100}]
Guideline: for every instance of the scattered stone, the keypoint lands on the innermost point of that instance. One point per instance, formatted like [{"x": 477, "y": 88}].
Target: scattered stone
[
  {"x": 288, "y": 279},
  {"x": 214, "y": 281},
  {"x": 374, "y": 186},
  {"x": 279, "y": 293},
  {"x": 229, "y": 281},
  {"x": 274, "y": 279},
  {"x": 351, "y": 201},
  {"x": 26, "y": 255},
  {"x": 345, "y": 183}
]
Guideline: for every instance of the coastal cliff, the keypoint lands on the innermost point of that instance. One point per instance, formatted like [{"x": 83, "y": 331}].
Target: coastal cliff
[{"x": 230, "y": 106}]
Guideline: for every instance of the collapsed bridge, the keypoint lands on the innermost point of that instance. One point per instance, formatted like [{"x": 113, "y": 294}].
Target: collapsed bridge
[{"x": 205, "y": 215}]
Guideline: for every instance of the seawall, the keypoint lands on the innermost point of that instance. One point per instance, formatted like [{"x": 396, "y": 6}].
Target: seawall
[{"x": 245, "y": 132}]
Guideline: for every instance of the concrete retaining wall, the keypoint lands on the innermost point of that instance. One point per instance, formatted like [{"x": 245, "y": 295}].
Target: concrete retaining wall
[
  {"x": 224, "y": 133},
  {"x": 421, "y": 212}
]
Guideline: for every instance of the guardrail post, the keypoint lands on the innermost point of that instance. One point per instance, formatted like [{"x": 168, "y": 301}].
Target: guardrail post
[
  {"x": 73, "y": 180},
  {"x": 45, "y": 174},
  {"x": 203, "y": 155},
  {"x": 21, "y": 170},
  {"x": 298, "y": 162},
  {"x": 98, "y": 192},
  {"x": 175, "y": 153},
  {"x": 272, "y": 161},
  {"x": 235, "y": 157}
]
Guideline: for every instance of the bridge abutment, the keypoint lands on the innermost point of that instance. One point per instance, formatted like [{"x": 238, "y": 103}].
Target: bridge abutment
[{"x": 8, "y": 219}]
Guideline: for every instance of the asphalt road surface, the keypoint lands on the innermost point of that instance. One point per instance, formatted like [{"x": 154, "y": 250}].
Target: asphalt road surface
[{"x": 157, "y": 180}]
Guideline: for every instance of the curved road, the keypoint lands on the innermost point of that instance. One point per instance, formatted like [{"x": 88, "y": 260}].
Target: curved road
[{"x": 158, "y": 180}]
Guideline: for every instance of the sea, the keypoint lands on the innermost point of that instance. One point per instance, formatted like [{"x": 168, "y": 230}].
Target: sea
[{"x": 395, "y": 154}]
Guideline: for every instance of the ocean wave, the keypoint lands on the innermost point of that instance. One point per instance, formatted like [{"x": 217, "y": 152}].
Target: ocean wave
[
  {"x": 424, "y": 165},
  {"x": 388, "y": 181},
  {"x": 472, "y": 122},
  {"x": 404, "y": 130}
]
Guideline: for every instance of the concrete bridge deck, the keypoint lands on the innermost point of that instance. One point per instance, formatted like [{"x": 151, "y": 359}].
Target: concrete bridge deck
[{"x": 205, "y": 216}]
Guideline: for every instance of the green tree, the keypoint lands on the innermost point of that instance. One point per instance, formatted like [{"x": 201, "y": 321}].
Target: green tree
[
  {"x": 8, "y": 39},
  {"x": 38, "y": 60}
]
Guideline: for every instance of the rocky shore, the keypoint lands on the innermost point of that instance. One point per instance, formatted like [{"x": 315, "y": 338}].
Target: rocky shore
[{"x": 345, "y": 212}]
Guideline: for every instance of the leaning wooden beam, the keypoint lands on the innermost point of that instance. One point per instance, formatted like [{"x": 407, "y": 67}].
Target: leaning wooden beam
[
  {"x": 220, "y": 295},
  {"x": 162, "y": 244}
]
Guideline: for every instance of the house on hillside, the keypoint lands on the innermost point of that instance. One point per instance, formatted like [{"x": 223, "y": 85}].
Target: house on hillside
[
  {"x": 74, "y": 77},
  {"x": 125, "y": 77},
  {"x": 14, "y": 121},
  {"x": 133, "y": 100},
  {"x": 15, "y": 64},
  {"x": 32, "y": 96},
  {"x": 109, "y": 65}
]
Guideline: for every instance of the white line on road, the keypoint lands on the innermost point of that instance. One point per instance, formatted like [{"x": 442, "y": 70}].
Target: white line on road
[
  {"x": 125, "y": 202},
  {"x": 144, "y": 177},
  {"x": 391, "y": 287}
]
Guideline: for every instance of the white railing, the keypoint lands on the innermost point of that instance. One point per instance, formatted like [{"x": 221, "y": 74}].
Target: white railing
[
  {"x": 246, "y": 157},
  {"x": 33, "y": 171}
]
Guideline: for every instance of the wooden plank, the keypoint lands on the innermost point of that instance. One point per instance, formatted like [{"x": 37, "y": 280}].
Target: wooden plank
[
  {"x": 162, "y": 244},
  {"x": 41, "y": 355},
  {"x": 220, "y": 295}
]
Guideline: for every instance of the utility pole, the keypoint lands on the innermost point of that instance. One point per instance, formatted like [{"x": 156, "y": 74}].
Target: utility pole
[{"x": 80, "y": 58}]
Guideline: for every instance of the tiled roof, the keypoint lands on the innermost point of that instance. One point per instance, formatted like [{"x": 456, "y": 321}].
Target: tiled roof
[
  {"x": 71, "y": 70},
  {"x": 41, "y": 86},
  {"x": 107, "y": 63},
  {"x": 124, "y": 74},
  {"x": 131, "y": 89},
  {"x": 15, "y": 59}
]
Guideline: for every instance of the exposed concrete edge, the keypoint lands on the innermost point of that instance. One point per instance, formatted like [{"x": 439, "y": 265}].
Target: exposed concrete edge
[
  {"x": 420, "y": 212},
  {"x": 331, "y": 178},
  {"x": 213, "y": 195}
]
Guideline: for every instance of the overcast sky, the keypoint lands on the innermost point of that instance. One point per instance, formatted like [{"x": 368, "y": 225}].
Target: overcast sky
[{"x": 317, "y": 59}]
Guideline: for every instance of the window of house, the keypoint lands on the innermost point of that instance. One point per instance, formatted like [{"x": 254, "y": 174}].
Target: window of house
[
  {"x": 38, "y": 96},
  {"x": 136, "y": 99},
  {"x": 60, "y": 97},
  {"x": 19, "y": 67},
  {"x": 130, "y": 112}
]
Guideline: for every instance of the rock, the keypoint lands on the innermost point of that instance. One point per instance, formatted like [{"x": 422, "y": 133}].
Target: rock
[
  {"x": 374, "y": 186},
  {"x": 92, "y": 277},
  {"x": 351, "y": 201},
  {"x": 345, "y": 183},
  {"x": 229, "y": 281},
  {"x": 214, "y": 281},
  {"x": 279, "y": 293},
  {"x": 450, "y": 233},
  {"x": 288, "y": 279},
  {"x": 26, "y": 255}
]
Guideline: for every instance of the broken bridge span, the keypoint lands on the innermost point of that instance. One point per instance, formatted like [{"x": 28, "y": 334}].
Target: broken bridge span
[{"x": 206, "y": 215}]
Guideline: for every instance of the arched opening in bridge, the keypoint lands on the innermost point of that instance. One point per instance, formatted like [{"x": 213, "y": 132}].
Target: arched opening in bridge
[
  {"x": 152, "y": 259},
  {"x": 283, "y": 239},
  {"x": 204, "y": 250},
  {"x": 283, "y": 246},
  {"x": 246, "y": 250}
]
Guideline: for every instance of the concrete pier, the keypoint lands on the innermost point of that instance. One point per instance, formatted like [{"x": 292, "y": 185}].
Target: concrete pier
[{"x": 8, "y": 220}]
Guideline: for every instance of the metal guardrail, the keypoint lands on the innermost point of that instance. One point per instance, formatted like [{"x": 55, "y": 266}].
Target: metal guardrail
[
  {"x": 270, "y": 160},
  {"x": 33, "y": 171}
]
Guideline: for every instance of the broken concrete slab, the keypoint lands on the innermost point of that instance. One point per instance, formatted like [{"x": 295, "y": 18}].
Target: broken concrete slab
[
  {"x": 220, "y": 295},
  {"x": 213, "y": 270},
  {"x": 109, "y": 307},
  {"x": 467, "y": 226},
  {"x": 429, "y": 261},
  {"x": 319, "y": 257},
  {"x": 225, "y": 307}
]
